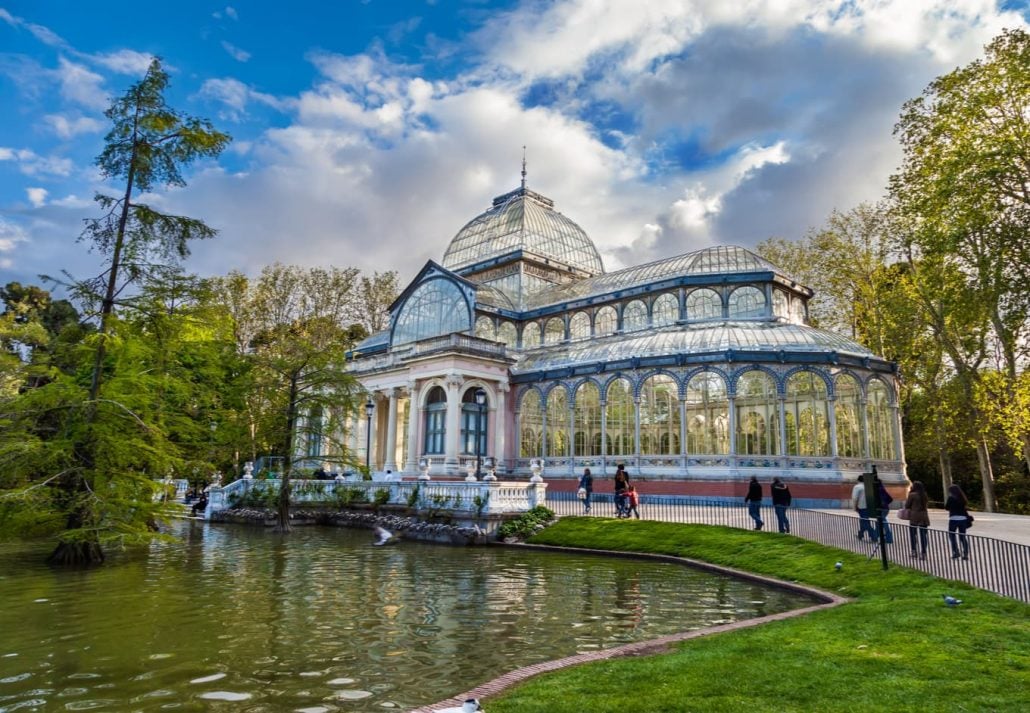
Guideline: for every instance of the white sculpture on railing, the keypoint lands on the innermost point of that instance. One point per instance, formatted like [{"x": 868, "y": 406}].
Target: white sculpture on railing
[
  {"x": 248, "y": 470},
  {"x": 537, "y": 466},
  {"x": 490, "y": 464},
  {"x": 424, "y": 464},
  {"x": 470, "y": 468}
]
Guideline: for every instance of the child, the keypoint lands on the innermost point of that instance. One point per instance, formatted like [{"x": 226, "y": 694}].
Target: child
[{"x": 632, "y": 501}]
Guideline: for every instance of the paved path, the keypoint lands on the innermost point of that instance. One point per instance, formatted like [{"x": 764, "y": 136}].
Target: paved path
[{"x": 1000, "y": 526}]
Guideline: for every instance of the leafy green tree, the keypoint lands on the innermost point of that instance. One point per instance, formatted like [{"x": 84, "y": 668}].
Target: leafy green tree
[{"x": 86, "y": 447}]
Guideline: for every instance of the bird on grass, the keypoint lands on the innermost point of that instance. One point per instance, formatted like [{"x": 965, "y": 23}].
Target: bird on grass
[
  {"x": 838, "y": 566},
  {"x": 383, "y": 536},
  {"x": 950, "y": 601},
  {"x": 471, "y": 705}
]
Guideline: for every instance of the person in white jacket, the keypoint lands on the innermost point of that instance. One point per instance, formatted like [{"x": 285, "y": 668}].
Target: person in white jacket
[{"x": 858, "y": 504}]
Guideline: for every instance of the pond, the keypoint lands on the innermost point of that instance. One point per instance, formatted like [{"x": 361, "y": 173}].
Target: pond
[{"x": 240, "y": 619}]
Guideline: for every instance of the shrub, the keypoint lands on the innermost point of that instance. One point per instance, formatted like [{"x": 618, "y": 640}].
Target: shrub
[{"x": 526, "y": 524}]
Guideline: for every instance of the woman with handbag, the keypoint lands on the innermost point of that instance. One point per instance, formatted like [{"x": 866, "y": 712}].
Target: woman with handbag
[
  {"x": 586, "y": 489},
  {"x": 917, "y": 504},
  {"x": 958, "y": 520}
]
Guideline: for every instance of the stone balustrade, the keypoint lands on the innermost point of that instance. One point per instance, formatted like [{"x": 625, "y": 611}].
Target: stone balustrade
[{"x": 472, "y": 499}]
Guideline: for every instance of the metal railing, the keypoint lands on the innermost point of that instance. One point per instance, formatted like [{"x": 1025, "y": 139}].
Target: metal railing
[{"x": 995, "y": 565}]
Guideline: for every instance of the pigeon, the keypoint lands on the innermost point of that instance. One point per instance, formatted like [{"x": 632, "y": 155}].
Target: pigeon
[
  {"x": 383, "y": 536},
  {"x": 471, "y": 705},
  {"x": 838, "y": 566},
  {"x": 951, "y": 601}
]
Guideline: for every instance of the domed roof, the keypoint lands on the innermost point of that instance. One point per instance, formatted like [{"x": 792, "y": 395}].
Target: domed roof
[{"x": 523, "y": 220}]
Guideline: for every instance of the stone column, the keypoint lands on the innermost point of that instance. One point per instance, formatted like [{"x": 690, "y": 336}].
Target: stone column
[
  {"x": 453, "y": 425},
  {"x": 831, "y": 415},
  {"x": 390, "y": 456},
  {"x": 636, "y": 428},
  {"x": 414, "y": 414},
  {"x": 500, "y": 423},
  {"x": 781, "y": 404},
  {"x": 604, "y": 434},
  {"x": 683, "y": 430},
  {"x": 866, "y": 453},
  {"x": 733, "y": 426}
]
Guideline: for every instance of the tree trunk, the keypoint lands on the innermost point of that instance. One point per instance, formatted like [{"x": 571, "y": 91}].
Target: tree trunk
[
  {"x": 291, "y": 424},
  {"x": 79, "y": 553},
  {"x": 983, "y": 455}
]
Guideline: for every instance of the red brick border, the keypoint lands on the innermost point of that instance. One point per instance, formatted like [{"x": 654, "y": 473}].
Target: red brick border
[{"x": 651, "y": 646}]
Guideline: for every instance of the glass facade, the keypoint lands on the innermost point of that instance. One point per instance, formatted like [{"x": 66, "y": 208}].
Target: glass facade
[
  {"x": 620, "y": 418},
  {"x": 579, "y": 326},
  {"x": 708, "y": 414},
  {"x": 807, "y": 415},
  {"x": 485, "y": 328},
  {"x": 473, "y": 422},
  {"x": 586, "y": 420},
  {"x": 634, "y": 316},
  {"x": 531, "y": 335},
  {"x": 880, "y": 421},
  {"x": 554, "y": 332},
  {"x": 434, "y": 308},
  {"x": 665, "y": 310},
  {"x": 606, "y": 321},
  {"x": 435, "y": 419},
  {"x": 507, "y": 333},
  {"x": 704, "y": 304},
  {"x": 757, "y": 415},
  {"x": 557, "y": 422},
  {"x": 746, "y": 302},
  {"x": 848, "y": 415},
  {"x": 531, "y": 426},
  {"x": 659, "y": 416}
]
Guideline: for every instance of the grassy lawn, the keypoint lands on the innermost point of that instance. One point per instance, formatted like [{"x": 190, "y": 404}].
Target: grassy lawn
[{"x": 896, "y": 647}]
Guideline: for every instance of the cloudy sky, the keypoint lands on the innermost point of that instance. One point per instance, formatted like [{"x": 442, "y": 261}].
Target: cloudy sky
[{"x": 367, "y": 132}]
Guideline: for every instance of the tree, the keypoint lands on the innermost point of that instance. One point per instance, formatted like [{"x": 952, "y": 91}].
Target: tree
[
  {"x": 963, "y": 195},
  {"x": 94, "y": 458},
  {"x": 292, "y": 324}
]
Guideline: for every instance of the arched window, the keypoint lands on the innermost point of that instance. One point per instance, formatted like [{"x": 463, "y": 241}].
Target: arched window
[
  {"x": 880, "y": 421},
  {"x": 531, "y": 335},
  {"x": 473, "y": 422},
  {"x": 586, "y": 420},
  {"x": 807, "y": 415},
  {"x": 758, "y": 429},
  {"x": 507, "y": 333},
  {"x": 634, "y": 316},
  {"x": 847, "y": 410},
  {"x": 659, "y": 416},
  {"x": 531, "y": 426},
  {"x": 485, "y": 328},
  {"x": 435, "y": 307},
  {"x": 435, "y": 420},
  {"x": 620, "y": 418},
  {"x": 606, "y": 321},
  {"x": 579, "y": 326},
  {"x": 557, "y": 422},
  {"x": 314, "y": 433},
  {"x": 746, "y": 302},
  {"x": 704, "y": 304},
  {"x": 781, "y": 304},
  {"x": 554, "y": 332},
  {"x": 665, "y": 310},
  {"x": 708, "y": 414}
]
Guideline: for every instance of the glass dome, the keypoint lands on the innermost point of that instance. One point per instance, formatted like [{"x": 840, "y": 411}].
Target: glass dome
[{"x": 523, "y": 220}]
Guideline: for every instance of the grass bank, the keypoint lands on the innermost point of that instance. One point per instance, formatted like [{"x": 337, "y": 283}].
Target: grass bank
[{"x": 896, "y": 647}]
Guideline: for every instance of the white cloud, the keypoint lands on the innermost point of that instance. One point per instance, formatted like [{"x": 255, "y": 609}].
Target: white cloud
[
  {"x": 230, "y": 11},
  {"x": 68, "y": 126},
  {"x": 125, "y": 61},
  {"x": 80, "y": 85},
  {"x": 37, "y": 196},
  {"x": 32, "y": 164},
  {"x": 235, "y": 52},
  {"x": 237, "y": 96},
  {"x": 10, "y": 236}
]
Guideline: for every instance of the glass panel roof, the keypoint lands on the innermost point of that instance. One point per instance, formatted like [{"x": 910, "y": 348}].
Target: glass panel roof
[
  {"x": 722, "y": 259},
  {"x": 491, "y": 296},
  {"x": 747, "y": 336},
  {"x": 523, "y": 220}
]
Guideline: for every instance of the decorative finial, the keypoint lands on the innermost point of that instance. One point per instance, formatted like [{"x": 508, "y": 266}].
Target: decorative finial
[{"x": 523, "y": 168}]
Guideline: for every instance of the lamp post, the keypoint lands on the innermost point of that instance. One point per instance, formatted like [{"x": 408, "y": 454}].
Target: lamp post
[
  {"x": 480, "y": 402},
  {"x": 369, "y": 408}
]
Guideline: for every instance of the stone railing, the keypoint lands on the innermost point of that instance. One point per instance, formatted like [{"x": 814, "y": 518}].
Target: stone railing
[{"x": 475, "y": 499}]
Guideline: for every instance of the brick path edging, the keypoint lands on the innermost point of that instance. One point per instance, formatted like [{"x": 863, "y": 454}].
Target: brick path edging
[{"x": 651, "y": 646}]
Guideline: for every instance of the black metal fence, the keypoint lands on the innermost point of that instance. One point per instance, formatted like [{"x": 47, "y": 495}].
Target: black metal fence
[{"x": 995, "y": 565}]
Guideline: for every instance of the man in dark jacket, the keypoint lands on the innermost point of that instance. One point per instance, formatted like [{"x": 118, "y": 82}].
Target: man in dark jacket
[
  {"x": 781, "y": 501},
  {"x": 753, "y": 500}
]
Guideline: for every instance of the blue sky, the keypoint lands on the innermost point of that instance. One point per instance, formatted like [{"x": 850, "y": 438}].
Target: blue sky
[{"x": 366, "y": 133}]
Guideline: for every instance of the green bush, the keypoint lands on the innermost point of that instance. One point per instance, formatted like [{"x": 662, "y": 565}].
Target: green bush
[{"x": 526, "y": 524}]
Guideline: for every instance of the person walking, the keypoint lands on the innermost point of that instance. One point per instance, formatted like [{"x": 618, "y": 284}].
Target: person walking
[
  {"x": 781, "y": 501},
  {"x": 958, "y": 521},
  {"x": 586, "y": 489},
  {"x": 858, "y": 504},
  {"x": 632, "y": 501},
  {"x": 885, "y": 507},
  {"x": 753, "y": 500},
  {"x": 917, "y": 504},
  {"x": 621, "y": 485}
]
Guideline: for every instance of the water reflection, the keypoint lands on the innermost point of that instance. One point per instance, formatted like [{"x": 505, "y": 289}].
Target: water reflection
[{"x": 243, "y": 619}]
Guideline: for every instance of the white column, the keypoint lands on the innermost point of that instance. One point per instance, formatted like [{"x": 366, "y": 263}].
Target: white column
[
  {"x": 413, "y": 418},
  {"x": 831, "y": 415},
  {"x": 500, "y": 423},
  {"x": 353, "y": 426},
  {"x": 604, "y": 434},
  {"x": 453, "y": 434},
  {"x": 733, "y": 425},
  {"x": 390, "y": 455},
  {"x": 782, "y": 435}
]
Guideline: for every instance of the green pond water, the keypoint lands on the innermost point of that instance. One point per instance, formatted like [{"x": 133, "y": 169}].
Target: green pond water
[{"x": 239, "y": 619}]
